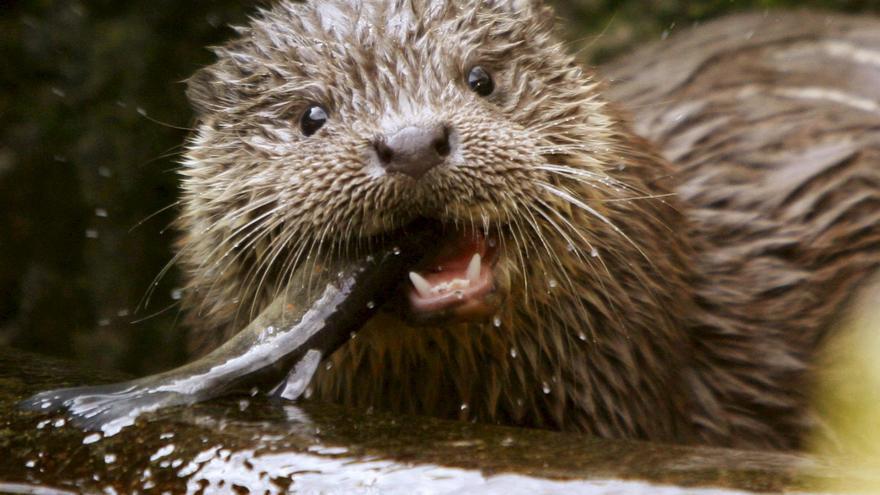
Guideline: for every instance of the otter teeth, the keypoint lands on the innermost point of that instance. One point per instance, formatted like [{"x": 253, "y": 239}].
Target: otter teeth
[
  {"x": 428, "y": 290},
  {"x": 421, "y": 284},
  {"x": 473, "y": 271}
]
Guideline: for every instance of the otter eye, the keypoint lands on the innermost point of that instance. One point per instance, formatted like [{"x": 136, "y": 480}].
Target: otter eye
[
  {"x": 313, "y": 119},
  {"x": 480, "y": 81}
]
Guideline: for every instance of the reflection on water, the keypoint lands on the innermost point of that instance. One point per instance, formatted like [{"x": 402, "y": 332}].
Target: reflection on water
[
  {"x": 331, "y": 474},
  {"x": 250, "y": 443},
  {"x": 32, "y": 489}
]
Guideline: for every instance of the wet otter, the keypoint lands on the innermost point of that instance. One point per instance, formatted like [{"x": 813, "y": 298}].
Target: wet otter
[{"x": 584, "y": 281}]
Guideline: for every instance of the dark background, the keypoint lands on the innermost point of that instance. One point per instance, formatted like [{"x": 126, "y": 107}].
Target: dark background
[{"x": 92, "y": 115}]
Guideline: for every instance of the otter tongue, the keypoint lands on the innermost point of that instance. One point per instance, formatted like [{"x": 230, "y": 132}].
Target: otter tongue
[{"x": 458, "y": 277}]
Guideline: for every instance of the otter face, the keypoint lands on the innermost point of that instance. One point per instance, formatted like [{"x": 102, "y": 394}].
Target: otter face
[{"x": 328, "y": 124}]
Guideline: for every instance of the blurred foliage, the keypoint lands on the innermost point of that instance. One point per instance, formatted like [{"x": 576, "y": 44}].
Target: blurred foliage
[
  {"x": 848, "y": 396},
  {"x": 92, "y": 114}
]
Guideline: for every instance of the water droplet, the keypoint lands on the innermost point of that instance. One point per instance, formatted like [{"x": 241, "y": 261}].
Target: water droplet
[
  {"x": 553, "y": 283},
  {"x": 101, "y": 213},
  {"x": 213, "y": 20},
  {"x": 59, "y": 423},
  {"x": 507, "y": 442},
  {"x": 30, "y": 463},
  {"x": 94, "y": 437},
  {"x": 396, "y": 251},
  {"x": 110, "y": 458},
  {"x": 142, "y": 111},
  {"x": 59, "y": 92},
  {"x": 594, "y": 253},
  {"x": 459, "y": 295},
  {"x": 582, "y": 336},
  {"x": 92, "y": 234},
  {"x": 353, "y": 335},
  {"x": 104, "y": 322},
  {"x": 545, "y": 387},
  {"x": 513, "y": 352},
  {"x": 464, "y": 406},
  {"x": 177, "y": 294},
  {"x": 571, "y": 248},
  {"x": 371, "y": 305},
  {"x": 519, "y": 402},
  {"x": 328, "y": 366},
  {"x": 370, "y": 259},
  {"x": 497, "y": 322}
]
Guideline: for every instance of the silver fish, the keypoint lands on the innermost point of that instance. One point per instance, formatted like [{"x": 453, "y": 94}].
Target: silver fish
[{"x": 290, "y": 337}]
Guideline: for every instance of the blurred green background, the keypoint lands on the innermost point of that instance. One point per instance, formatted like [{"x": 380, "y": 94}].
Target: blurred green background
[{"x": 92, "y": 114}]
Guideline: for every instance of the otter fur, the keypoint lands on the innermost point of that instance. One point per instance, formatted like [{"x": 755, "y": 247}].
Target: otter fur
[{"x": 669, "y": 285}]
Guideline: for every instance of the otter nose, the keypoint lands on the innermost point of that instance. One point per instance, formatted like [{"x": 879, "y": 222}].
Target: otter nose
[{"x": 414, "y": 150}]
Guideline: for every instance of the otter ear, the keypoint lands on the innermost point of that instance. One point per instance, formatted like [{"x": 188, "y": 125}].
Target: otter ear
[{"x": 202, "y": 89}]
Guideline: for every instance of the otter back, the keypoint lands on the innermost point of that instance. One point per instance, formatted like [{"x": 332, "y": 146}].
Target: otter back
[{"x": 773, "y": 124}]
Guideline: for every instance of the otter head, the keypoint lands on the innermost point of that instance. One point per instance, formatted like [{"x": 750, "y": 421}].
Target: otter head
[{"x": 326, "y": 125}]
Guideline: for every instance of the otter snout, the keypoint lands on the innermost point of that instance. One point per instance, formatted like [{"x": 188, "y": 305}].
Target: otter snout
[{"x": 414, "y": 150}]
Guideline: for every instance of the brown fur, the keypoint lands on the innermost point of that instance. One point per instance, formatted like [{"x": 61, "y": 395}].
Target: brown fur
[{"x": 642, "y": 300}]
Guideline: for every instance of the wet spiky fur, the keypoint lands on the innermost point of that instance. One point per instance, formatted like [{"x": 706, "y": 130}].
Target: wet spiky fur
[{"x": 597, "y": 332}]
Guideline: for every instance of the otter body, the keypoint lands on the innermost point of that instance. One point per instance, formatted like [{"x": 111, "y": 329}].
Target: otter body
[{"x": 654, "y": 258}]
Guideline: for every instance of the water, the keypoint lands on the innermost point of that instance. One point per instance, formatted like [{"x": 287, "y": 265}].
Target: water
[{"x": 325, "y": 448}]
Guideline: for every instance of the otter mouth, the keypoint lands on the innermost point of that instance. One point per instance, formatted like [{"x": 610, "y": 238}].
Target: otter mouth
[{"x": 456, "y": 282}]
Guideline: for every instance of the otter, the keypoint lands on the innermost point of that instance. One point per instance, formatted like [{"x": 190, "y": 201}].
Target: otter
[{"x": 653, "y": 258}]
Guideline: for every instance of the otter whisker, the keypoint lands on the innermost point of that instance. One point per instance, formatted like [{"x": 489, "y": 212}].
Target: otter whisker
[
  {"x": 249, "y": 230},
  {"x": 519, "y": 238},
  {"x": 579, "y": 252},
  {"x": 638, "y": 198},
  {"x": 583, "y": 238},
  {"x": 556, "y": 123},
  {"x": 622, "y": 185},
  {"x": 576, "y": 173},
  {"x": 265, "y": 264},
  {"x": 538, "y": 231},
  {"x": 244, "y": 251},
  {"x": 145, "y": 301},
  {"x": 148, "y": 295},
  {"x": 558, "y": 261},
  {"x": 288, "y": 268},
  {"x": 580, "y": 204},
  {"x": 153, "y": 215}
]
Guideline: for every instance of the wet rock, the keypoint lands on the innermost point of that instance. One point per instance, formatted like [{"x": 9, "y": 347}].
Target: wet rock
[{"x": 250, "y": 444}]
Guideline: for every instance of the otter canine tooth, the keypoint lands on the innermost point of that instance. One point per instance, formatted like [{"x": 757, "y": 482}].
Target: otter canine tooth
[
  {"x": 421, "y": 285},
  {"x": 473, "y": 271}
]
